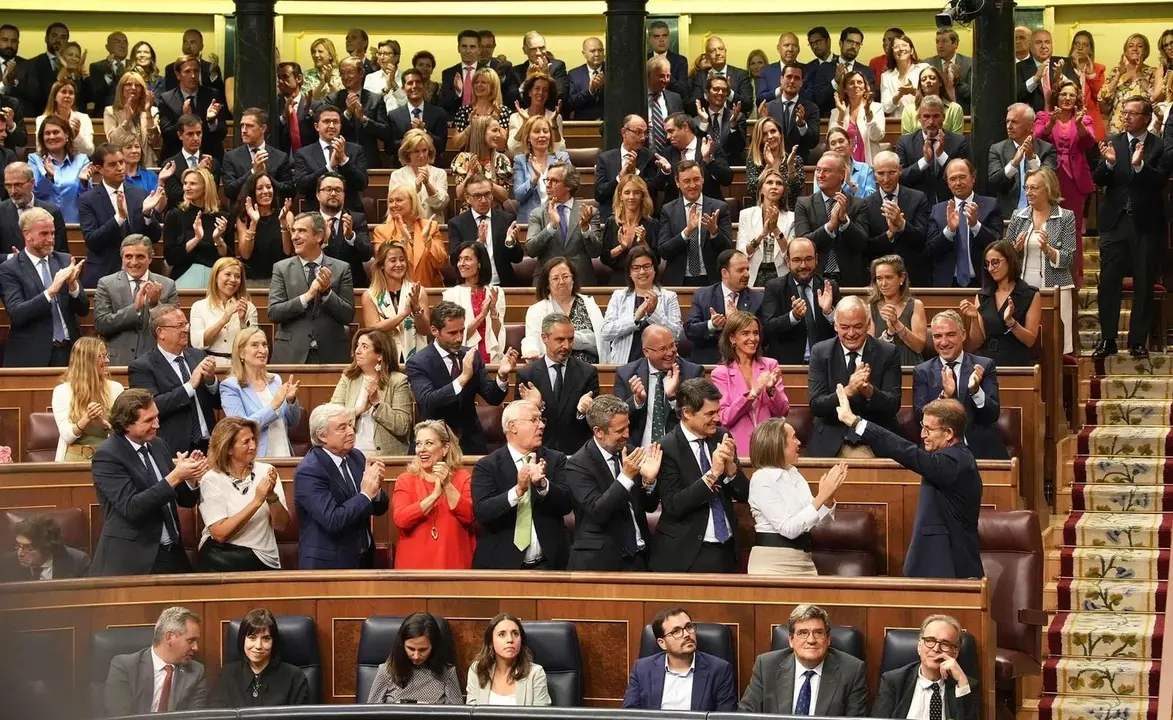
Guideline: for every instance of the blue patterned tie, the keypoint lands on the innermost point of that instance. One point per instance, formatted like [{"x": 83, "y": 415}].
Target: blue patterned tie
[
  {"x": 58, "y": 325},
  {"x": 803, "y": 706},
  {"x": 563, "y": 220},
  {"x": 1022, "y": 184},
  {"x": 716, "y": 507}
]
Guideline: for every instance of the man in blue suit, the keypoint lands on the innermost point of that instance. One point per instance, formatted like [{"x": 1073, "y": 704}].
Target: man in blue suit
[
  {"x": 960, "y": 228},
  {"x": 711, "y": 306},
  {"x": 587, "y": 82},
  {"x": 698, "y": 681},
  {"x": 945, "y": 533},
  {"x": 770, "y": 77},
  {"x": 110, "y": 211},
  {"x": 337, "y": 490}
]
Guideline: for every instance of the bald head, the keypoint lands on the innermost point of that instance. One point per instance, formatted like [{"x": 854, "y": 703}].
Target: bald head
[
  {"x": 659, "y": 347},
  {"x": 886, "y": 165},
  {"x": 788, "y": 47}
]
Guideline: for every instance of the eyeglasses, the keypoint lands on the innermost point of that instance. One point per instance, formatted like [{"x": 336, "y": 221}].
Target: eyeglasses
[
  {"x": 24, "y": 547},
  {"x": 929, "y": 428},
  {"x": 641, "y": 268},
  {"x": 177, "y": 326},
  {"x": 480, "y": 196},
  {"x": 806, "y": 633},
  {"x": 680, "y": 632},
  {"x": 332, "y": 190},
  {"x": 539, "y": 420},
  {"x": 1130, "y": 113},
  {"x": 933, "y": 643},
  {"x": 996, "y": 262}
]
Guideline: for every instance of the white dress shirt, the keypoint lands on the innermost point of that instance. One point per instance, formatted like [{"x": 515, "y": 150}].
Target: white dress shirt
[
  {"x": 781, "y": 501},
  {"x": 710, "y": 533},
  {"x": 979, "y": 396},
  {"x": 456, "y": 386},
  {"x": 533, "y": 553},
  {"x": 191, "y": 393},
  {"x": 495, "y": 279},
  {"x": 112, "y": 193},
  {"x": 329, "y": 153},
  {"x": 973, "y": 229},
  {"x": 700, "y": 206},
  {"x": 187, "y": 158},
  {"x": 919, "y": 708},
  {"x": 654, "y": 377},
  {"x": 678, "y": 687},
  {"x": 36, "y": 261},
  {"x": 627, "y": 484},
  {"x": 799, "y": 680},
  {"x": 1011, "y": 168},
  {"x": 725, "y": 293},
  {"x": 159, "y": 677}
]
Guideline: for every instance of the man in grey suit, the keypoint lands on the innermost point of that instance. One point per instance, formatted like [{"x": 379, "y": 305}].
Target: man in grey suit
[
  {"x": 562, "y": 226},
  {"x": 836, "y": 223},
  {"x": 810, "y": 677},
  {"x": 311, "y": 300},
  {"x": 956, "y": 67},
  {"x": 122, "y": 305},
  {"x": 164, "y": 677},
  {"x": 1011, "y": 159}
]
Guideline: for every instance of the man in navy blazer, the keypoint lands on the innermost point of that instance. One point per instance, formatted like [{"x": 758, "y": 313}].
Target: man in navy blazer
[
  {"x": 685, "y": 145},
  {"x": 798, "y": 309},
  {"x": 638, "y": 383},
  {"x": 105, "y": 223},
  {"x": 684, "y": 227},
  {"x": 336, "y": 490},
  {"x": 192, "y": 98},
  {"x": 711, "y": 306},
  {"x": 797, "y": 115},
  {"x": 503, "y": 249},
  {"x": 254, "y": 155},
  {"x": 632, "y": 156},
  {"x": 43, "y": 296},
  {"x": 965, "y": 220},
  {"x": 587, "y": 83},
  {"x": 712, "y": 684},
  {"x": 924, "y": 154},
  {"x": 415, "y": 113},
  {"x": 19, "y": 177},
  {"x": 364, "y": 118},
  {"x": 331, "y": 153},
  {"x": 898, "y": 220}
]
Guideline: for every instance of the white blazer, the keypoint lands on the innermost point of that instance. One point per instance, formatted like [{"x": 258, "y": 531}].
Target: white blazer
[
  {"x": 890, "y": 84},
  {"x": 749, "y": 226},
  {"x": 62, "y": 397},
  {"x": 872, "y": 132},
  {"x": 619, "y": 323},
  {"x": 435, "y": 206},
  {"x": 494, "y": 342},
  {"x": 531, "y": 344}
]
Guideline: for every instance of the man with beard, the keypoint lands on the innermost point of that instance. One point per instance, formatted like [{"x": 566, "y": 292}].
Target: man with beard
[
  {"x": 680, "y": 677},
  {"x": 35, "y": 77}
]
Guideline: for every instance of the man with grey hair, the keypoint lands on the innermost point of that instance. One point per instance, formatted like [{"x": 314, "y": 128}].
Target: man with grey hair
[
  {"x": 165, "y": 677},
  {"x": 870, "y": 371},
  {"x": 934, "y": 686},
  {"x": 18, "y": 179},
  {"x": 898, "y": 220},
  {"x": 124, "y": 300},
  {"x": 520, "y": 497},
  {"x": 538, "y": 59},
  {"x": 336, "y": 490},
  {"x": 810, "y": 677},
  {"x": 562, "y": 386},
  {"x": 611, "y": 526},
  {"x": 1011, "y": 159},
  {"x": 924, "y": 154},
  {"x": 561, "y": 226},
  {"x": 837, "y": 223}
]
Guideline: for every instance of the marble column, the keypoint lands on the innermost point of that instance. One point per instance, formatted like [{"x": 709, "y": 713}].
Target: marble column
[
  {"x": 992, "y": 88},
  {"x": 256, "y": 64},
  {"x": 626, "y": 79}
]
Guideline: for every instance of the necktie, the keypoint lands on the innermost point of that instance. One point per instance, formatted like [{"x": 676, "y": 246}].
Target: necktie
[
  {"x": 803, "y": 705},
  {"x": 165, "y": 695},
  {"x": 196, "y": 435},
  {"x": 58, "y": 325},
  {"x": 294, "y": 127},
  {"x": 466, "y": 92},
  {"x": 564, "y": 220},
  {"x": 703, "y": 454},
  {"x": 935, "y": 702},
  {"x": 716, "y": 506},
  {"x": 630, "y": 543},
  {"x": 192, "y": 161},
  {"x": 890, "y": 197},
  {"x": 524, "y": 527},
  {"x": 169, "y": 519},
  {"x": 416, "y": 113},
  {"x": 336, "y": 227},
  {"x": 1022, "y": 184},
  {"x": 455, "y": 365},
  {"x": 963, "y": 271},
  {"x": 953, "y": 371},
  {"x": 832, "y": 257},
  {"x": 694, "y": 246},
  {"x": 116, "y": 68},
  {"x": 659, "y": 406},
  {"x": 851, "y": 358},
  {"x": 615, "y": 467},
  {"x": 811, "y": 308},
  {"x": 557, "y": 381},
  {"x": 311, "y": 272},
  {"x": 715, "y": 130},
  {"x": 733, "y": 299},
  {"x": 35, "y": 572},
  {"x": 136, "y": 284},
  {"x": 53, "y": 62},
  {"x": 788, "y": 115},
  {"x": 351, "y": 482},
  {"x": 1132, "y": 143},
  {"x": 659, "y": 134}
]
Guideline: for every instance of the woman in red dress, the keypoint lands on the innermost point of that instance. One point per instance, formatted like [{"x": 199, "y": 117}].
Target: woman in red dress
[{"x": 432, "y": 504}]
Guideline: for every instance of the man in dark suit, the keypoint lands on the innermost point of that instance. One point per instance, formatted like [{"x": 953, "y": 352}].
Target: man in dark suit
[
  {"x": 798, "y": 309},
  {"x": 364, "y": 114},
  {"x": 43, "y": 296},
  {"x": 533, "y": 45},
  {"x": 1011, "y": 159},
  {"x": 1133, "y": 170},
  {"x": 140, "y": 485},
  {"x": 164, "y": 677},
  {"x": 649, "y": 384},
  {"x": 712, "y": 305},
  {"x": 416, "y": 114},
  {"x": 740, "y": 87},
  {"x": 446, "y": 378},
  {"x": 798, "y": 116},
  {"x": 662, "y": 104},
  {"x": 13, "y": 134},
  {"x": 456, "y": 81},
  {"x": 935, "y": 681},
  {"x": 254, "y": 156},
  {"x": 952, "y": 63},
  {"x": 770, "y": 77},
  {"x": 711, "y": 679},
  {"x": 18, "y": 177},
  {"x": 869, "y": 370},
  {"x": 632, "y": 156},
  {"x": 562, "y": 227},
  {"x": 586, "y": 83},
  {"x": 898, "y": 220},
  {"x": 495, "y": 227},
  {"x": 659, "y": 46},
  {"x": 698, "y": 481},
  {"x": 182, "y": 379},
  {"x": 337, "y": 490},
  {"x": 850, "y": 43},
  {"x": 722, "y": 120},
  {"x": 297, "y": 112},
  {"x": 970, "y": 379},
  {"x": 110, "y": 212},
  {"x": 614, "y": 488},
  {"x": 1037, "y": 73},
  {"x": 565, "y": 386},
  {"x": 35, "y": 76},
  {"x": 41, "y": 554},
  {"x": 836, "y": 223},
  {"x": 924, "y": 154},
  {"x": 105, "y": 73},
  {"x": 820, "y": 70},
  {"x": 524, "y": 483},
  {"x": 190, "y": 155},
  {"x": 488, "y": 46},
  {"x": 331, "y": 153},
  {"x": 209, "y": 76},
  {"x": 694, "y": 229},
  {"x": 191, "y": 98},
  {"x": 841, "y": 680},
  {"x": 347, "y": 236},
  {"x": 10, "y": 59},
  {"x": 960, "y": 228}
]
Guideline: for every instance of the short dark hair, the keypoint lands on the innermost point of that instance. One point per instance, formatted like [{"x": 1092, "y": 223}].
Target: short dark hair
[
  {"x": 680, "y": 119},
  {"x": 187, "y": 120},
  {"x": 543, "y": 283},
  {"x": 98, "y": 157},
  {"x": 325, "y": 108},
  {"x": 1145, "y": 104},
  {"x": 468, "y": 33},
  {"x": 52, "y": 25},
  {"x": 658, "y": 621},
  {"x": 637, "y": 253},
  {"x": 258, "y": 114},
  {"x": 445, "y": 312},
  {"x": 41, "y": 530},
  {"x": 726, "y": 257},
  {"x": 361, "y": 33},
  {"x": 331, "y": 174},
  {"x": 896, "y": 30},
  {"x": 1005, "y": 248},
  {"x": 124, "y": 412},
  {"x": 295, "y": 67},
  {"x": 849, "y": 30},
  {"x": 253, "y": 622},
  {"x": 420, "y": 624},
  {"x": 412, "y": 71},
  {"x": 818, "y": 31},
  {"x": 715, "y": 78},
  {"x": 423, "y": 55},
  {"x": 687, "y": 165},
  {"x": 13, "y": 28},
  {"x": 487, "y": 34},
  {"x": 951, "y": 413},
  {"x": 485, "y": 273},
  {"x": 693, "y": 393},
  {"x": 658, "y": 25},
  {"x": 795, "y": 65}
]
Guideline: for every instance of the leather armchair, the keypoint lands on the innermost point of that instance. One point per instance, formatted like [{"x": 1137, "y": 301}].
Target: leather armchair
[
  {"x": 71, "y": 520},
  {"x": 104, "y": 645},
  {"x": 374, "y": 645},
  {"x": 846, "y": 545},
  {"x": 1012, "y": 556},
  {"x": 299, "y": 646},
  {"x": 712, "y": 638},
  {"x": 41, "y": 437},
  {"x": 843, "y": 637},
  {"x": 490, "y": 416},
  {"x": 555, "y": 647}
]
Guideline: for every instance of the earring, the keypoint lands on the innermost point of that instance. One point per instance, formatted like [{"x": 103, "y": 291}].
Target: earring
[{"x": 379, "y": 366}]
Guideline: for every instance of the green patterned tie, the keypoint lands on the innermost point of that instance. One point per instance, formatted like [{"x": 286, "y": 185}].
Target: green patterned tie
[
  {"x": 660, "y": 408},
  {"x": 523, "y": 530}
]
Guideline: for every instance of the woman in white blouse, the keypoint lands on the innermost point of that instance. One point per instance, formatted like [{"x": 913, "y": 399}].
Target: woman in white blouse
[
  {"x": 765, "y": 242},
  {"x": 242, "y": 503},
  {"x": 856, "y": 112},
  {"x": 394, "y": 304},
  {"x": 625, "y": 321},
  {"x": 81, "y": 403},
  {"x": 538, "y": 92},
  {"x": 558, "y": 292},
  {"x": 484, "y": 304},
  {"x": 899, "y": 81},
  {"x": 63, "y": 104},
  {"x": 255, "y": 393},
  {"x": 223, "y": 312},
  {"x": 784, "y": 510},
  {"x": 417, "y": 153}
]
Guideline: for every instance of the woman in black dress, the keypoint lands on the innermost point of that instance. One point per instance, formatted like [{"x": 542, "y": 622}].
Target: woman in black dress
[
  {"x": 263, "y": 228},
  {"x": 195, "y": 234},
  {"x": 259, "y": 678},
  {"x": 1003, "y": 321}
]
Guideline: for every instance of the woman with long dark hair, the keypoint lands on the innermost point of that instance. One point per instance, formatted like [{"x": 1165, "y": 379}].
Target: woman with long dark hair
[
  {"x": 418, "y": 670},
  {"x": 504, "y": 671}
]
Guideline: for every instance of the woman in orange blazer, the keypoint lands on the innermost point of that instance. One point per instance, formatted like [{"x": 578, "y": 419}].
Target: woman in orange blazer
[
  {"x": 426, "y": 251},
  {"x": 750, "y": 385}
]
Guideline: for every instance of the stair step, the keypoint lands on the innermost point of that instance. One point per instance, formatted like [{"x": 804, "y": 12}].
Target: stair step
[
  {"x": 1125, "y": 440},
  {"x": 1105, "y": 635},
  {"x": 1128, "y": 412},
  {"x": 1108, "y": 563},
  {"x": 1096, "y": 595},
  {"x": 1116, "y": 499},
  {"x": 1101, "y": 470},
  {"x": 1156, "y": 364},
  {"x": 1101, "y": 677},
  {"x": 1118, "y": 530},
  {"x": 1073, "y": 707},
  {"x": 1127, "y": 387}
]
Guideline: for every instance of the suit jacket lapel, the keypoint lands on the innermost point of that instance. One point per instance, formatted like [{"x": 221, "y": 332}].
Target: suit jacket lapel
[
  {"x": 700, "y": 681},
  {"x": 656, "y": 686},
  {"x": 786, "y": 683},
  {"x": 827, "y": 684},
  {"x": 690, "y": 467},
  {"x": 144, "y": 692},
  {"x": 910, "y": 683},
  {"x": 839, "y": 363}
]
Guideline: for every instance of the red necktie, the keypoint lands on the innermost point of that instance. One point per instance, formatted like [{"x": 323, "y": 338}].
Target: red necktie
[
  {"x": 165, "y": 696},
  {"x": 466, "y": 91},
  {"x": 294, "y": 127}
]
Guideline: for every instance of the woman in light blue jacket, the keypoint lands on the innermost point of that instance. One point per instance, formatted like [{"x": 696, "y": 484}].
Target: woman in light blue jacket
[
  {"x": 529, "y": 169},
  {"x": 254, "y": 393},
  {"x": 628, "y": 311}
]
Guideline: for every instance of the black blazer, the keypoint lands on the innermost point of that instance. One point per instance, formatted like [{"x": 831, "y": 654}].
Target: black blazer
[
  {"x": 696, "y": 327},
  {"x": 68, "y": 562},
  {"x": 492, "y": 478},
  {"x": 309, "y": 164},
  {"x": 102, "y": 90},
  {"x": 731, "y": 138},
  {"x": 431, "y": 383},
  {"x": 370, "y": 134},
  {"x": 673, "y": 248},
  {"x": 909, "y": 243},
  {"x": 11, "y": 238},
  {"x": 280, "y": 684},
  {"x": 133, "y": 504},
  {"x": 684, "y": 503},
  {"x": 790, "y": 132},
  {"x": 463, "y": 229},
  {"x": 828, "y": 368},
  {"x": 1025, "y": 69},
  {"x": 638, "y": 416},
  {"x": 1146, "y": 187},
  {"x": 582, "y": 103},
  {"x": 603, "y": 510},
  {"x": 511, "y": 84},
  {"x": 19, "y": 136},
  {"x": 450, "y": 100},
  {"x": 104, "y": 234},
  {"x": 981, "y": 424},
  {"x": 897, "y": 686},
  {"x": 34, "y": 79},
  {"x": 170, "y": 104},
  {"x": 607, "y": 167},
  {"x": 354, "y": 255},
  {"x": 6, "y": 156},
  {"x": 306, "y": 110},
  {"x": 30, "y": 334},
  {"x": 717, "y": 172},
  {"x": 151, "y": 371},
  {"x": 565, "y": 430},
  {"x": 931, "y": 180},
  {"x": 238, "y": 168},
  {"x": 399, "y": 122},
  {"x": 810, "y": 217},
  {"x": 787, "y": 341},
  {"x": 173, "y": 188},
  {"x": 171, "y": 81},
  {"x": 740, "y": 88}
]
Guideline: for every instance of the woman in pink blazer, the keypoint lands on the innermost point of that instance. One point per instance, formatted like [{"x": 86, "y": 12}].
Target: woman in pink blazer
[{"x": 750, "y": 385}]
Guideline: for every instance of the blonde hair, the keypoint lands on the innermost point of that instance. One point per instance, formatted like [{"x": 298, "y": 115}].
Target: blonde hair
[
  {"x": 224, "y": 437},
  {"x": 412, "y": 139},
  {"x": 478, "y": 127},
  {"x": 1050, "y": 183},
  {"x": 211, "y": 192},
  {"x": 221, "y": 265},
  {"x": 875, "y": 297},
  {"x": 453, "y": 457},
  {"x": 527, "y": 128},
  {"x": 757, "y": 150},
  {"x": 638, "y": 182},
  {"x": 377, "y": 283},
  {"x": 329, "y": 45},
  {"x": 767, "y": 444},
  {"x": 413, "y": 199},
  {"x": 86, "y": 383},
  {"x": 129, "y": 78},
  {"x": 772, "y": 172},
  {"x": 490, "y": 75},
  {"x": 238, "y": 343}
]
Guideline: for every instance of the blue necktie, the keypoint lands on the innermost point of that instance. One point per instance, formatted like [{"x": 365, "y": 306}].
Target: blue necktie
[
  {"x": 416, "y": 113},
  {"x": 563, "y": 219},
  {"x": 963, "y": 272},
  {"x": 58, "y": 326},
  {"x": 716, "y": 507},
  {"x": 803, "y": 706},
  {"x": 1022, "y": 184}
]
